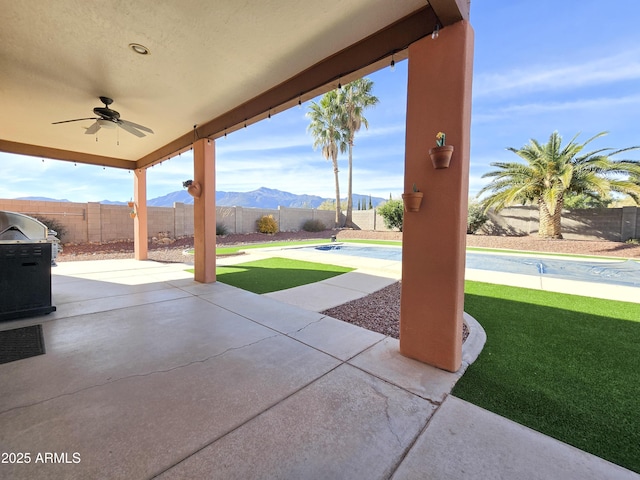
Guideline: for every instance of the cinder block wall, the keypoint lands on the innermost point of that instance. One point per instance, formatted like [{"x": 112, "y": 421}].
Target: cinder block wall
[
  {"x": 72, "y": 215},
  {"x": 226, "y": 216},
  {"x": 95, "y": 222},
  {"x": 292, "y": 219},
  {"x": 614, "y": 224},
  {"x": 116, "y": 223},
  {"x": 369, "y": 220},
  {"x": 162, "y": 222}
]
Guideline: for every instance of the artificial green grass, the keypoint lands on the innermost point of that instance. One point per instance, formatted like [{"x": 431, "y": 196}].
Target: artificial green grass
[
  {"x": 273, "y": 274},
  {"x": 564, "y": 365}
]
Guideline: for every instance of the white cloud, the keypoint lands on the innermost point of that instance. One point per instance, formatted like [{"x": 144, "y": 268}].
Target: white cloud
[
  {"x": 264, "y": 143},
  {"x": 539, "y": 108},
  {"x": 381, "y": 131},
  {"x": 529, "y": 78}
]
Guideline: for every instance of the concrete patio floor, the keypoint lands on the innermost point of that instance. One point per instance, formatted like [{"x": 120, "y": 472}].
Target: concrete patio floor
[{"x": 148, "y": 374}]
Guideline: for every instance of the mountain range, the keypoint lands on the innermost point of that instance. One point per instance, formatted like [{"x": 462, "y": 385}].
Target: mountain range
[{"x": 261, "y": 198}]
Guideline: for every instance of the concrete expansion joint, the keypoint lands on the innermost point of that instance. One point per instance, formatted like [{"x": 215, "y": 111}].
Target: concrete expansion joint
[
  {"x": 413, "y": 442},
  {"x": 348, "y": 360},
  {"x": 248, "y": 420},
  {"x": 137, "y": 375}
]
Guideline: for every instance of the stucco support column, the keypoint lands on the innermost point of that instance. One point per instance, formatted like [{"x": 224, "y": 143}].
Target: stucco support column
[
  {"x": 140, "y": 227},
  {"x": 204, "y": 211},
  {"x": 434, "y": 239}
]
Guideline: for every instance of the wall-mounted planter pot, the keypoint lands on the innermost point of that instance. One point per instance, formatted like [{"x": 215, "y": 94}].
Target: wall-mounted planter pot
[
  {"x": 194, "y": 190},
  {"x": 441, "y": 156},
  {"x": 412, "y": 201}
]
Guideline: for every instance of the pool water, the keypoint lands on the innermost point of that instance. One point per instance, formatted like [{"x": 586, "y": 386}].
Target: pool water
[{"x": 615, "y": 272}]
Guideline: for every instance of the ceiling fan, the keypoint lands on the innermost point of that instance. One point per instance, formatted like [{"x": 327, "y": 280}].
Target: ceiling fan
[{"x": 108, "y": 118}]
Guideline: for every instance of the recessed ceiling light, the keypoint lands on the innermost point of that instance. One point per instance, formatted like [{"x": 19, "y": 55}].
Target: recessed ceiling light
[{"x": 139, "y": 49}]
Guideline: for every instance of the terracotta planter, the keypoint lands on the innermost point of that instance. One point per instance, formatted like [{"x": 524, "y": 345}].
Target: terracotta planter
[
  {"x": 132, "y": 214},
  {"x": 441, "y": 156},
  {"x": 412, "y": 201},
  {"x": 130, "y": 204},
  {"x": 194, "y": 190}
]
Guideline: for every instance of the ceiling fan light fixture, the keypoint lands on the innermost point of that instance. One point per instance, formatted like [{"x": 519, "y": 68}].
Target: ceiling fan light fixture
[
  {"x": 139, "y": 49},
  {"x": 106, "y": 124}
]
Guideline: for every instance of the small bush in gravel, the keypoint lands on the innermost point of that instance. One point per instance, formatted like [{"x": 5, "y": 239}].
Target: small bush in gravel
[
  {"x": 221, "y": 229},
  {"x": 392, "y": 213},
  {"x": 476, "y": 217},
  {"x": 267, "y": 224},
  {"x": 314, "y": 225}
]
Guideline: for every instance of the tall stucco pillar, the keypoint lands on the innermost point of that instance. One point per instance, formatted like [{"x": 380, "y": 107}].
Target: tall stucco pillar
[
  {"x": 204, "y": 211},
  {"x": 434, "y": 239},
  {"x": 140, "y": 227}
]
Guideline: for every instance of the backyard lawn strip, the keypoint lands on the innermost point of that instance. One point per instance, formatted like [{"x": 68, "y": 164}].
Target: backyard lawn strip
[
  {"x": 564, "y": 365},
  {"x": 273, "y": 274}
]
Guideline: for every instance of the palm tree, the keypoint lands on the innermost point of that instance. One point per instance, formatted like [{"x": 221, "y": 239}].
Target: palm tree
[
  {"x": 327, "y": 134},
  {"x": 551, "y": 171},
  {"x": 353, "y": 99}
]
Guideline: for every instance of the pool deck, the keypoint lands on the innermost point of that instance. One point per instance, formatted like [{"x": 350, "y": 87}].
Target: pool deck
[
  {"x": 332, "y": 292},
  {"x": 148, "y": 374}
]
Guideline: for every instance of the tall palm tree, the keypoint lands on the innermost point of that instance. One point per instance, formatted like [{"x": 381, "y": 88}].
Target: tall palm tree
[
  {"x": 352, "y": 100},
  {"x": 552, "y": 170},
  {"x": 325, "y": 127}
]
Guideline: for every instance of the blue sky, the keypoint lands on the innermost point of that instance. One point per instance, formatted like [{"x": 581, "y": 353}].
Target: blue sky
[{"x": 540, "y": 66}]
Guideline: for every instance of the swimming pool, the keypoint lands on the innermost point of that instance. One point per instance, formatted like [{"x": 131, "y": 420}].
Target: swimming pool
[{"x": 615, "y": 272}]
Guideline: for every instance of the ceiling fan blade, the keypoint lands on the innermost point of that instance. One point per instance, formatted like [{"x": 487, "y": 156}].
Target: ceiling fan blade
[
  {"x": 75, "y": 120},
  {"x": 135, "y": 125},
  {"x": 93, "y": 128},
  {"x": 131, "y": 129}
]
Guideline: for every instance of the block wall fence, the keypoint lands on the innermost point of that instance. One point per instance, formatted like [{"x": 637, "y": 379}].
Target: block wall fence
[
  {"x": 614, "y": 224},
  {"x": 99, "y": 223}
]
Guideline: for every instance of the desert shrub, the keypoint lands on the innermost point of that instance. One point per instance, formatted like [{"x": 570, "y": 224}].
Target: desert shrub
[
  {"x": 267, "y": 224},
  {"x": 314, "y": 225},
  {"x": 392, "y": 213},
  {"x": 221, "y": 229},
  {"x": 53, "y": 224},
  {"x": 476, "y": 217}
]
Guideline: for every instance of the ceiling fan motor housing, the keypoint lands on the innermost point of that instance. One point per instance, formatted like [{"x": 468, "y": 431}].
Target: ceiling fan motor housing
[{"x": 107, "y": 113}]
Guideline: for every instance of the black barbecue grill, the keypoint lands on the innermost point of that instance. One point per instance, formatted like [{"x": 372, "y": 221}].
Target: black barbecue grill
[{"x": 25, "y": 267}]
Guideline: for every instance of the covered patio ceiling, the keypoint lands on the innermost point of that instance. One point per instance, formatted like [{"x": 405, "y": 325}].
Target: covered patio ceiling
[{"x": 217, "y": 65}]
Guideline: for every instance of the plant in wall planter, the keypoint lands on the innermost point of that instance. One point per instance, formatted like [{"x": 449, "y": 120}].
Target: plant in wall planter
[
  {"x": 441, "y": 153},
  {"x": 194, "y": 188},
  {"x": 413, "y": 200}
]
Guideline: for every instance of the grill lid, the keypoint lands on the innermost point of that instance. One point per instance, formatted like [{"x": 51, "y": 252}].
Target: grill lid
[{"x": 15, "y": 227}]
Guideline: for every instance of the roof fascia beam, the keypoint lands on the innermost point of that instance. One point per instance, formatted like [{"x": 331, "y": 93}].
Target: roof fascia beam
[
  {"x": 451, "y": 11},
  {"x": 66, "y": 155}
]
